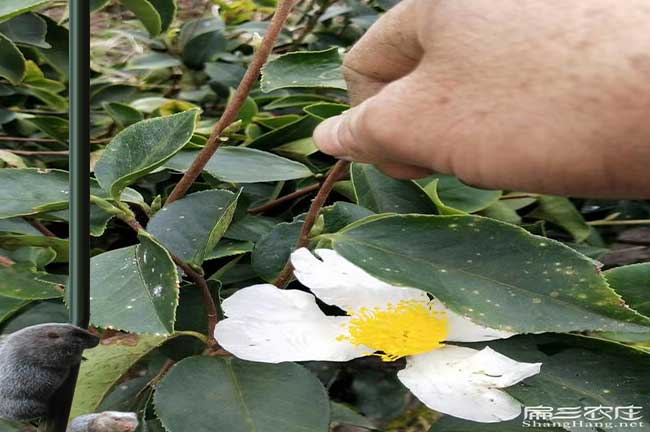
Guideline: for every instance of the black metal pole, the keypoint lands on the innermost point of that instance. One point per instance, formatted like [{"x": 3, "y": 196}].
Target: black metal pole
[{"x": 79, "y": 281}]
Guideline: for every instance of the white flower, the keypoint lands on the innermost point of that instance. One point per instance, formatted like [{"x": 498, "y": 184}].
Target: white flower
[{"x": 270, "y": 325}]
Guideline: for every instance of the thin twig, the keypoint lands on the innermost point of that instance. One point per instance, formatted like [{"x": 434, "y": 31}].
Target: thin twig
[
  {"x": 286, "y": 198},
  {"x": 6, "y": 262},
  {"x": 37, "y": 153},
  {"x": 208, "y": 301},
  {"x": 513, "y": 197},
  {"x": 313, "y": 20},
  {"x": 232, "y": 109},
  {"x": 337, "y": 172},
  {"x": 619, "y": 222},
  {"x": 46, "y": 140},
  {"x": 41, "y": 228}
]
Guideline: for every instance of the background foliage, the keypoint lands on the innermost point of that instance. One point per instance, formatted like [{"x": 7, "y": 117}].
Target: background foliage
[{"x": 163, "y": 70}]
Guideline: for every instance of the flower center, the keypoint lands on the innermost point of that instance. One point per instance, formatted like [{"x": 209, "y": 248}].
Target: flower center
[{"x": 411, "y": 327}]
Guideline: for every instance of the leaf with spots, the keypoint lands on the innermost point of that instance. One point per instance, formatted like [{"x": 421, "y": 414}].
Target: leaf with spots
[
  {"x": 315, "y": 69},
  {"x": 191, "y": 227},
  {"x": 141, "y": 148},
  {"x": 107, "y": 363},
  {"x": 134, "y": 289},
  {"x": 241, "y": 396},
  {"x": 496, "y": 274}
]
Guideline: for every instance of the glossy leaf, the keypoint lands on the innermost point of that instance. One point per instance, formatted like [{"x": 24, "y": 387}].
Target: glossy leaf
[
  {"x": 141, "y": 148},
  {"x": 240, "y": 396},
  {"x": 192, "y": 226},
  {"x": 12, "y": 8},
  {"x": 105, "y": 365},
  {"x": 134, "y": 289},
  {"x": 632, "y": 282},
  {"x": 451, "y": 196},
  {"x": 26, "y": 29},
  {"x": 316, "y": 69},
  {"x": 12, "y": 66},
  {"x": 497, "y": 274},
  {"x": 146, "y": 13},
  {"x": 562, "y": 212},
  {"x": 382, "y": 194},
  {"x": 243, "y": 165}
]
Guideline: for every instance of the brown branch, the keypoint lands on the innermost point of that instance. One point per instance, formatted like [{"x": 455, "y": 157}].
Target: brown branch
[
  {"x": 339, "y": 170},
  {"x": 232, "y": 109},
  {"x": 513, "y": 197},
  {"x": 283, "y": 199},
  {"x": 37, "y": 153},
  {"x": 208, "y": 301},
  {"x": 41, "y": 228},
  {"x": 6, "y": 262},
  {"x": 46, "y": 140}
]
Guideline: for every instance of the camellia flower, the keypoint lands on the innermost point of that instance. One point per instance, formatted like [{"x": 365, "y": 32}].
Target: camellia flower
[{"x": 267, "y": 324}]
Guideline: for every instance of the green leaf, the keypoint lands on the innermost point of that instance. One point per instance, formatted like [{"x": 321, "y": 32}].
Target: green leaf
[
  {"x": 381, "y": 194},
  {"x": 54, "y": 127},
  {"x": 579, "y": 372},
  {"x": 53, "y": 100},
  {"x": 146, "y": 13},
  {"x": 153, "y": 60},
  {"x": 17, "y": 226},
  {"x": 60, "y": 246},
  {"x": 35, "y": 78},
  {"x": 12, "y": 8},
  {"x": 105, "y": 365},
  {"x": 342, "y": 414},
  {"x": 451, "y": 196},
  {"x": 273, "y": 249},
  {"x": 123, "y": 114},
  {"x": 203, "y": 48},
  {"x": 9, "y": 306},
  {"x": 227, "y": 247},
  {"x": 23, "y": 282},
  {"x": 243, "y": 165},
  {"x": 134, "y": 289},
  {"x": 494, "y": 273},
  {"x": 48, "y": 311},
  {"x": 316, "y": 69},
  {"x": 192, "y": 226},
  {"x": 632, "y": 282},
  {"x": 562, "y": 212},
  {"x": 240, "y": 396},
  {"x": 167, "y": 11},
  {"x": 30, "y": 191},
  {"x": 323, "y": 110},
  {"x": 141, "y": 148},
  {"x": 12, "y": 66},
  {"x": 26, "y": 29},
  {"x": 57, "y": 55},
  {"x": 298, "y": 129}
]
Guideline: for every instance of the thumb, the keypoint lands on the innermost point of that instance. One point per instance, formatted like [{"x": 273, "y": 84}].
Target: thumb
[{"x": 379, "y": 131}]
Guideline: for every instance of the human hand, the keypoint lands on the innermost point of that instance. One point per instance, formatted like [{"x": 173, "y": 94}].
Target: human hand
[{"x": 541, "y": 96}]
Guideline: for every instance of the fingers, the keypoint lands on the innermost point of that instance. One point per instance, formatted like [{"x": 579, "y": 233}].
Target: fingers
[
  {"x": 380, "y": 131},
  {"x": 388, "y": 51}
]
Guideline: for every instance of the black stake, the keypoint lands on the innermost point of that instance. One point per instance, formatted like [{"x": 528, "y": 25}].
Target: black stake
[{"x": 79, "y": 282}]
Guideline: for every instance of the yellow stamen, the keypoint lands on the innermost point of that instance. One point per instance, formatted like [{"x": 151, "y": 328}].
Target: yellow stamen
[{"x": 412, "y": 327}]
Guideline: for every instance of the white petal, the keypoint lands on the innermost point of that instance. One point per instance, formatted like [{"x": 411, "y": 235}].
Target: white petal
[
  {"x": 463, "y": 329},
  {"x": 464, "y": 382},
  {"x": 271, "y": 325},
  {"x": 336, "y": 281}
]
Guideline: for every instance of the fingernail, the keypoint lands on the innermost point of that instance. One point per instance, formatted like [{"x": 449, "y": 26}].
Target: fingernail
[{"x": 326, "y": 136}]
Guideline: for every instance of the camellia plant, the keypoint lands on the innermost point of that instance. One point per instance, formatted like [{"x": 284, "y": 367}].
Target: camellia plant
[{"x": 242, "y": 281}]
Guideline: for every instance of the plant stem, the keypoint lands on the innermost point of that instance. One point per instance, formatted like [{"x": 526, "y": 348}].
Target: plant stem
[
  {"x": 208, "y": 301},
  {"x": 619, "y": 222},
  {"x": 6, "y": 262},
  {"x": 283, "y": 199},
  {"x": 41, "y": 228},
  {"x": 337, "y": 172},
  {"x": 46, "y": 140},
  {"x": 37, "y": 153},
  {"x": 313, "y": 20},
  {"x": 232, "y": 109}
]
